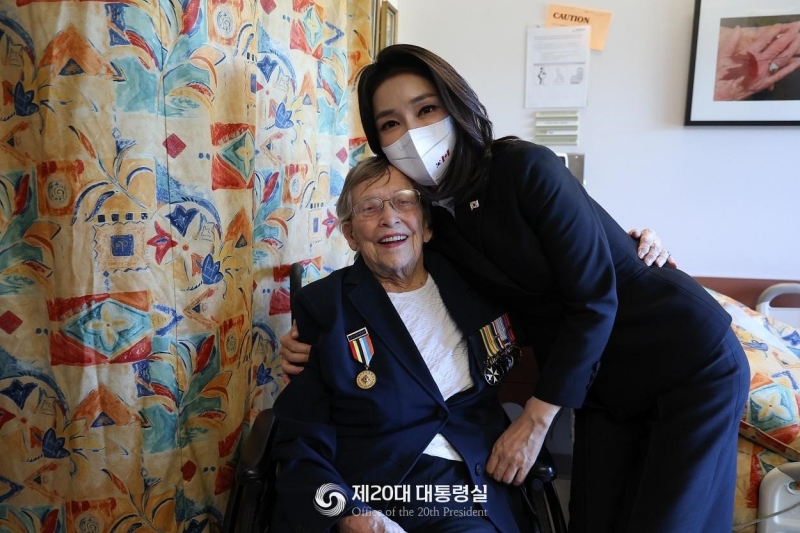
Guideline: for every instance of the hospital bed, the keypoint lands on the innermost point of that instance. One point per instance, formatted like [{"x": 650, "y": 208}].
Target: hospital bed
[
  {"x": 766, "y": 318},
  {"x": 757, "y": 308}
]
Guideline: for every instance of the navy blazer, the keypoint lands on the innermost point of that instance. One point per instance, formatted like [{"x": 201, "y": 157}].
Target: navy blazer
[
  {"x": 534, "y": 240},
  {"x": 332, "y": 431}
]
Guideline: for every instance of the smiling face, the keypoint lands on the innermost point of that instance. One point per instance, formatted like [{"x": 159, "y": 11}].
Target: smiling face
[
  {"x": 403, "y": 102},
  {"x": 391, "y": 243}
]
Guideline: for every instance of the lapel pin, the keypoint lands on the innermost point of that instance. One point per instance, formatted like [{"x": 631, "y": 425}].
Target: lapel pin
[{"x": 474, "y": 204}]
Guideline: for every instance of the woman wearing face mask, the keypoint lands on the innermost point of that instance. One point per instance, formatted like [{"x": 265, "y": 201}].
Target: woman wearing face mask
[{"x": 645, "y": 355}]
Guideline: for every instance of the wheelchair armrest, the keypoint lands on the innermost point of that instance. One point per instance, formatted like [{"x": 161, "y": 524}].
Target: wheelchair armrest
[
  {"x": 542, "y": 495},
  {"x": 255, "y": 459},
  {"x": 543, "y": 470}
]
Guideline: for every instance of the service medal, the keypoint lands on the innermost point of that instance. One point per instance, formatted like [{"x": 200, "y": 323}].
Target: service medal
[
  {"x": 362, "y": 351},
  {"x": 366, "y": 379},
  {"x": 502, "y": 353}
]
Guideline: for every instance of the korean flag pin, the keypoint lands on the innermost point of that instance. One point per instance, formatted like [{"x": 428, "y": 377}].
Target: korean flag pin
[{"x": 473, "y": 205}]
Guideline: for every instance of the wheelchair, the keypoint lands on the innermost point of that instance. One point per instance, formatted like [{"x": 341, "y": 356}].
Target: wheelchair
[
  {"x": 252, "y": 500},
  {"x": 253, "y": 497}
]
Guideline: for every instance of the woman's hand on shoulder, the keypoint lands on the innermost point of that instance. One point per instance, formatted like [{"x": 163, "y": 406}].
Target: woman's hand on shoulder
[
  {"x": 293, "y": 353},
  {"x": 650, "y": 248}
]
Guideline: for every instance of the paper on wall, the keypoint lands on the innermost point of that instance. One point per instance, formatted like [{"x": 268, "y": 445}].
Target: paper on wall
[
  {"x": 557, "y": 67},
  {"x": 559, "y": 15}
]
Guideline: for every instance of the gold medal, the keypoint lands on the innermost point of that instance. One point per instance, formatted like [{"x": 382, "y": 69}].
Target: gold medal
[
  {"x": 361, "y": 348},
  {"x": 366, "y": 379}
]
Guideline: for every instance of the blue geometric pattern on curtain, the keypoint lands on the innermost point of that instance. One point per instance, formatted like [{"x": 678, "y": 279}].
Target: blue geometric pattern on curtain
[{"x": 161, "y": 165}]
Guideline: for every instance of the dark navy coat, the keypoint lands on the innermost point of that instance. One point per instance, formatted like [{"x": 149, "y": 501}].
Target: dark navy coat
[
  {"x": 596, "y": 316},
  {"x": 332, "y": 431}
]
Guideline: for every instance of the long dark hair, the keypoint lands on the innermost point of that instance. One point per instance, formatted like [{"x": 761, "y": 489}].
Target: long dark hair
[{"x": 471, "y": 158}]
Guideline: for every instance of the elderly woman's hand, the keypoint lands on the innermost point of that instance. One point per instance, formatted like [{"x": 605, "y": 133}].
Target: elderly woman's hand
[
  {"x": 374, "y": 522},
  {"x": 650, "y": 249},
  {"x": 293, "y": 353}
]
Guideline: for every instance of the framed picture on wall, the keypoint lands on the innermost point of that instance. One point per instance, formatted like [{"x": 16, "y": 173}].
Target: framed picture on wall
[
  {"x": 375, "y": 21},
  {"x": 362, "y": 19},
  {"x": 387, "y": 27},
  {"x": 745, "y": 63}
]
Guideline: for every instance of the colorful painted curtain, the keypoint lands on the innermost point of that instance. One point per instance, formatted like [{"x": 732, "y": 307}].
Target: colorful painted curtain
[{"x": 161, "y": 165}]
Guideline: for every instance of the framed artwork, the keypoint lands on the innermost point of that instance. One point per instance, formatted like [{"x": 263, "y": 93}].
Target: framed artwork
[
  {"x": 745, "y": 63},
  {"x": 387, "y": 27},
  {"x": 375, "y": 21}
]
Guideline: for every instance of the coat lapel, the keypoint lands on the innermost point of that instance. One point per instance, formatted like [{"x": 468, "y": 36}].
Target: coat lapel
[
  {"x": 464, "y": 306},
  {"x": 371, "y": 301},
  {"x": 469, "y": 310},
  {"x": 470, "y": 262},
  {"x": 469, "y": 215}
]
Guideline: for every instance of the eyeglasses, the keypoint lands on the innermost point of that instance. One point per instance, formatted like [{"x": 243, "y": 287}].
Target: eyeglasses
[{"x": 402, "y": 200}]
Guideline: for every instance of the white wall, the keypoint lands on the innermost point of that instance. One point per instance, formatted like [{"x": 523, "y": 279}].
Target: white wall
[{"x": 725, "y": 200}]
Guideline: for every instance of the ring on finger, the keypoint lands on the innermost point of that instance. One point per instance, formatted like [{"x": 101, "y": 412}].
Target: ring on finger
[{"x": 773, "y": 67}]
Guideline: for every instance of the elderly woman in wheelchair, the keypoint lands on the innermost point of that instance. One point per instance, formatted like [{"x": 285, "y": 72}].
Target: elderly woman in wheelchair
[{"x": 392, "y": 424}]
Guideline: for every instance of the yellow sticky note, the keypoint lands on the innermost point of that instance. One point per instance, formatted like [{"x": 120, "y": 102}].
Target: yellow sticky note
[{"x": 561, "y": 15}]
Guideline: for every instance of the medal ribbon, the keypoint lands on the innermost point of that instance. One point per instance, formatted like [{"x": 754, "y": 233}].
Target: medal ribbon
[
  {"x": 361, "y": 346},
  {"x": 498, "y": 335},
  {"x": 503, "y": 353}
]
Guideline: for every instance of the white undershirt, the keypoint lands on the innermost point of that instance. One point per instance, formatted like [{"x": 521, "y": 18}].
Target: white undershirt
[{"x": 442, "y": 345}]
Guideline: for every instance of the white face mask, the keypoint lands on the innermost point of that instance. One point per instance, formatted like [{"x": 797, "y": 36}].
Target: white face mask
[{"x": 422, "y": 154}]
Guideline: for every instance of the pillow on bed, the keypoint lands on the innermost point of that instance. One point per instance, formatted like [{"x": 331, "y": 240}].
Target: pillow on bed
[{"x": 772, "y": 413}]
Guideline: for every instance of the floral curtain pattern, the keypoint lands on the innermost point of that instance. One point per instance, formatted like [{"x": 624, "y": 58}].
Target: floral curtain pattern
[{"x": 161, "y": 166}]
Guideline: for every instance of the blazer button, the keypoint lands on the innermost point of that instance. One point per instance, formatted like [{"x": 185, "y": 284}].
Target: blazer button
[
  {"x": 441, "y": 413},
  {"x": 478, "y": 469}
]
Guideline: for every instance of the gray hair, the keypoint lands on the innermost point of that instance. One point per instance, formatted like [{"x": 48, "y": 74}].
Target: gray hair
[{"x": 370, "y": 169}]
